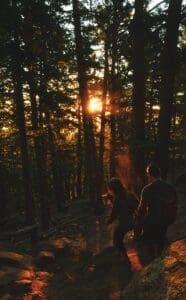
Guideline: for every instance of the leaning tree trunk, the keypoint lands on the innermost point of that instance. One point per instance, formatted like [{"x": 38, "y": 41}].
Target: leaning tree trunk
[
  {"x": 168, "y": 67},
  {"x": 138, "y": 90},
  {"x": 89, "y": 141}
]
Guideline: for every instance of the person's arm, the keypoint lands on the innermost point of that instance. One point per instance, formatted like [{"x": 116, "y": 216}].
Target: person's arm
[
  {"x": 114, "y": 213},
  {"x": 133, "y": 203},
  {"x": 142, "y": 208},
  {"x": 142, "y": 211}
]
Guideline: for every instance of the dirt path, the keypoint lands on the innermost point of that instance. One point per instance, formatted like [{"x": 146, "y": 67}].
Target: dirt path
[
  {"x": 77, "y": 262},
  {"x": 92, "y": 270}
]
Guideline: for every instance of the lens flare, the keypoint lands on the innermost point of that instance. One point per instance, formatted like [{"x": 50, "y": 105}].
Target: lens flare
[{"x": 95, "y": 105}]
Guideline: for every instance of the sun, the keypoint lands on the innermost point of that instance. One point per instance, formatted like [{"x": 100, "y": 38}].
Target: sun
[{"x": 95, "y": 105}]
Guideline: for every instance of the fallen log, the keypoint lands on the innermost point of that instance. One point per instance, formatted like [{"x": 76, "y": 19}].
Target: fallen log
[
  {"x": 31, "y": 231},
  {"x": 62, "y": 224}
]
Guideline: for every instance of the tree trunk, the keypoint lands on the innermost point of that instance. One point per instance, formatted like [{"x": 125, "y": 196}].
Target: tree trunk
[
  {"x": 40, "y": 157},
  {"x": 79, "y": 156},
  {"x": 20, "y": 117},
  {"x": 168, "y": 65},
  {"x": 103, "y": 121},
  {"x": 89, "y": 141},
  {"x": 38, "y": 138},
  {"x": 58, "y": 180},
  {"x": 56, "y": 170},
  {"x": 138, "y": 91},
  {"x": 113, "y": 92}
]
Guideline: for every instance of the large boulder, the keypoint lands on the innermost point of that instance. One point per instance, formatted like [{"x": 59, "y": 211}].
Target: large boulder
[
  {"x": 164, "y": 278},
  {"x": 14, "y": 259},
  {"x": 44, "y": 259},
  {"x": 58, "y": 246}
]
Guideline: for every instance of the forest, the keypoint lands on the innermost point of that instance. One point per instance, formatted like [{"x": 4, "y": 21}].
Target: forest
[{"x": 89, "y": 90}]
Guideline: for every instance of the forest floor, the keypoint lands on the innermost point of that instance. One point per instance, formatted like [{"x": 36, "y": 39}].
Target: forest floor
[
  {"x": 92, "y": 270},
  {"x": 76, "y": 261}
]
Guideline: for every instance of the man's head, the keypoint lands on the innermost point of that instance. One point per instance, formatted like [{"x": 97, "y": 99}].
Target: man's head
[{"x": 153, "y": 172}]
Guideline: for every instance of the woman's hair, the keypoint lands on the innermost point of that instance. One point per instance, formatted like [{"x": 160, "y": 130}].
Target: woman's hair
[{"x": 116, "y": 186}]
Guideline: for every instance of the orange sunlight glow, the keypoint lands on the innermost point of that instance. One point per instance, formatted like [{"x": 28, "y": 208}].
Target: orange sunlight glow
[{"x": 95, "y": 105}]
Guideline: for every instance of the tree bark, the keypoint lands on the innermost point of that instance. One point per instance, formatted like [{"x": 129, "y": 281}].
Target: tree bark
[
  {"x": 79, "y": 156},
  {"x": 58, "y": 178},
  {"x": 168, "y": 67},
  {"x": 89, "y": 141},
  {"x": 20, "y": 118},
  {"x": 40, "y": 157},
  {"x": 139, "y": 90},
  {"x": 113, "y": 91},
  {"x": 38, "y": 135},
  {"x": 103, "y": 120}
]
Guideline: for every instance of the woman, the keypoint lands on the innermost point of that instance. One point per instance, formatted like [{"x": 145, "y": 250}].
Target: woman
[{"x": 124, "y": 206}]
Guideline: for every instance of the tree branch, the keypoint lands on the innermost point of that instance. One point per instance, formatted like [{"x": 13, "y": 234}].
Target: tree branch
[{"x": 154, "y": 7}]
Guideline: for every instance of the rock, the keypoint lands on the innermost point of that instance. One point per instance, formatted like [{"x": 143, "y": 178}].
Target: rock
[
  {"x": 27, "y": 274},
  {"x": 58, "y": 246},
  {"x": 15, "y": 280},
  {"x": 14, "y": 259},
  {"x": 44, "y": 259},
  {"x": 21, "y": 286},
  {"x": 43, "y": 275},
  {"x": 164, "y": 278}
]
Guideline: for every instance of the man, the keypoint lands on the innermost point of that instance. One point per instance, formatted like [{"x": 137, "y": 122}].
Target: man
[{"x": 157, "y": 209}]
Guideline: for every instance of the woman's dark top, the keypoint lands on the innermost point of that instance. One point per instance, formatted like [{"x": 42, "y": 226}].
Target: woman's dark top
[{"x": 123, "y": 210}]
